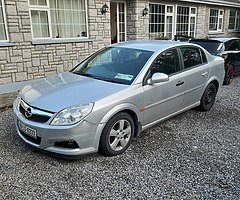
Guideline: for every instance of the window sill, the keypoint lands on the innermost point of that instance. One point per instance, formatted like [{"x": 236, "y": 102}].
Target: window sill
[
  {"x": 59, "y": 41},
  {"x": 215, "y": 33},
  {"x": 233, "y": 31},
  {"x": 6, "y": 44}
]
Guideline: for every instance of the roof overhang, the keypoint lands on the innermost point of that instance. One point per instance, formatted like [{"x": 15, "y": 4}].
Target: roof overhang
[{"x": 235, "y": 3}]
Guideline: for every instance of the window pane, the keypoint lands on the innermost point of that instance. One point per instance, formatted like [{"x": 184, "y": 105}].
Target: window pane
[
  {"x": 68, "y": 18},
  {"x": 213, "y": 20},
  {"x": 157, "y": 21},
  {"x": 167, "y": 63},
  {"x": 39, "y": 24},
  {"x": 38, "y": 2},
  {"x": 191, "y": 57},
  {"x": 232, "y": 19},
  {"x": 182, "y": 26}
]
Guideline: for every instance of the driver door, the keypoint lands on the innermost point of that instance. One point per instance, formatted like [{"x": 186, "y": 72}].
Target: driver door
[{"x": 166, "y": 98}]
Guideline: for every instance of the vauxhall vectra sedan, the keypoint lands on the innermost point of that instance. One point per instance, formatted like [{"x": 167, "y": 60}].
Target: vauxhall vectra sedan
[{"x": 114, "y": 94}]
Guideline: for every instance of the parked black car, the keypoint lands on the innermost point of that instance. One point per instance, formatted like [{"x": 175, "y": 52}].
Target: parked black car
[{"x": 227, "y": 48}]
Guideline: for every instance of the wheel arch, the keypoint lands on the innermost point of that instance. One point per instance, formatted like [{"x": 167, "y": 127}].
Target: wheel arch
[
  {"x": 215, "y": 80},
  {"x": 130, "y": 109}
]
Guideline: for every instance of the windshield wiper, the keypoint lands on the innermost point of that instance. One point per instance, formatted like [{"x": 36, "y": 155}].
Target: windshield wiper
[
  {"x": 112, "y": 80},
  {"x": 88, "y": 75},
  {"x": 98, "y": 77}
]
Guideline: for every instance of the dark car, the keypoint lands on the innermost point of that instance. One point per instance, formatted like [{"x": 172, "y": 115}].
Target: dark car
[{"x": 227, "y": 48}]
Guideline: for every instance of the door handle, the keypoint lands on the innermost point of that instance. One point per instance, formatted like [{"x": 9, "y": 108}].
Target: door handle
[
  {"x": 179, "y": 83},
  {"x": 204, "y": 73}
]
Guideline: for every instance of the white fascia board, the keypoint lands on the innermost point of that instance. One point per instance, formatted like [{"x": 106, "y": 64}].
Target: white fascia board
[{"x": 214, "y": 2}]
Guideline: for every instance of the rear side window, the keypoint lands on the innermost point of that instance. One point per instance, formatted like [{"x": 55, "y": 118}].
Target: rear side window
[
  {"x": 191, "y": 56},
  {"x": 204, "y": 57},
  {"x": 167, "y": 63}
]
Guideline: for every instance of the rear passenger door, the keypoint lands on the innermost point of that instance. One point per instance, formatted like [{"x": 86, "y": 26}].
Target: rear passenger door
[{"x": 195, "y": 74}]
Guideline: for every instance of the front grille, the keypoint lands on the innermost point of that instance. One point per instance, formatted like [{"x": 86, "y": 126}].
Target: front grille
[
  {"x": 37, "y": 116},
  {"x": 31, "y": 139}
]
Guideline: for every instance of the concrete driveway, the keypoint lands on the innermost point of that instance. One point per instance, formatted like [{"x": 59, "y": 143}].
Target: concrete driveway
[{"x": 192, "y": 156}]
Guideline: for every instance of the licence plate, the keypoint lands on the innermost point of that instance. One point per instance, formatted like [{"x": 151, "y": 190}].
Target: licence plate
[{"x": 27, "y": 130}]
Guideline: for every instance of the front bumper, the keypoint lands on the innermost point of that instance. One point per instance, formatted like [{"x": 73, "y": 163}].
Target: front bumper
[{"x": 85, "y": 134}]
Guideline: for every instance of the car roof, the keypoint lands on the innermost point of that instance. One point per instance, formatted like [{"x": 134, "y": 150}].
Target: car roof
[
  {"x": 223, "y": 39},
  {"x": 150, "y": 45}
]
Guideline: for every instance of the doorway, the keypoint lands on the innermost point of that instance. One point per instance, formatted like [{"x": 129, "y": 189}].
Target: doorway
[{"x": 118, "y": 22}]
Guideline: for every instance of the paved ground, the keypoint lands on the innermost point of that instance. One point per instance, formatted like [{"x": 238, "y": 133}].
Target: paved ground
[{"x": 192, "y": 156}]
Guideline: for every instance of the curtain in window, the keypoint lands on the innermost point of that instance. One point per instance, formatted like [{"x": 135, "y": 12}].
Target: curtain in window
[
  {"x": 68, "y": 18},
  {"x": 40, "y": 24}
]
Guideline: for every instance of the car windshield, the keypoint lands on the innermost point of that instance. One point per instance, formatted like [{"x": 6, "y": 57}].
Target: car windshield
[
  {"x": 212, "y": 46},
  {"x": 114, "y": 64}
]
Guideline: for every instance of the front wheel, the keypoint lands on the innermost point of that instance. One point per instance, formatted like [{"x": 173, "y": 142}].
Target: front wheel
[
  {"x": 229, "y": 75},
  {"x": 208, "y": 97},
  {"x": 117, "y": 134}
]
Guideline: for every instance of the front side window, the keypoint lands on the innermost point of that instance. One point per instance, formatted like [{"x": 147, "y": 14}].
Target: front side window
[
  {"x": 191, "y": 56},
  {"x": 58, "y": 18},
  {"x": 216, "y": 20},
  {"x": 114, "y": 64},
  {"x": 234, "y": 20},
  {"x": 186, "y": 21},
  {"x": 3, "y": 34},
  {"x": 167, "y": 63}
]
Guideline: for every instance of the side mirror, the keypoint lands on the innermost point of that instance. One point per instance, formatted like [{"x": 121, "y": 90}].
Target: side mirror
[{"x": 157, "y": 78}]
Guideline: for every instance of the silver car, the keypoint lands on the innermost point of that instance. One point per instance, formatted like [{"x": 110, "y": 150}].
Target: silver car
[{"x": 114, "y": 94}]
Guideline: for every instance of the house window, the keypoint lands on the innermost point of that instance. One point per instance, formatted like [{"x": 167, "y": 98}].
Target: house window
[
  {"x": 3, "y": 33},
  {"x": 234, "y": 20},
  {"x": 216, "y": 20},
  {"x": 186, "y": 21},
  {"x": 58, "y": 18},
  {"x": 161, "y": 21}
]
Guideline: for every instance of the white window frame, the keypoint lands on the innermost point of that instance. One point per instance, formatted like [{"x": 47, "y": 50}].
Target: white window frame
[
  {"x": 47, "y": 8},
  {"x": 5, "y": 22},
  {"x": 236, "y": 21},
  {"x": 174, "y": 17},
  {"x": 125, "y": 21},
  {"x": 166, "y": 14},
  {"x": 189, "y": 19},
  {"x": 219, "y": 30},
  {"x": 195, "y": 23}
]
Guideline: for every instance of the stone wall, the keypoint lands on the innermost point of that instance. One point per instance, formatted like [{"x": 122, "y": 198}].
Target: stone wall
[
  {"x": 26, "y": 61},
  {"x": 137, "y": 24}
]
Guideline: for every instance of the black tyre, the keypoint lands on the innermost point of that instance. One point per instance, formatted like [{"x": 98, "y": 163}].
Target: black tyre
[
  {"x": 208, "y": 97},
  {"x": 230, "y": 72},
  {"x": 117, "y": 135}
]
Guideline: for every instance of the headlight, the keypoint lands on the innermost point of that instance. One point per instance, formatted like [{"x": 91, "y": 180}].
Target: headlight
[{"x": 72, "y": 115}]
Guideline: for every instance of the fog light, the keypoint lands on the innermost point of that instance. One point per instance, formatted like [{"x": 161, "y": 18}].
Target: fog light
[{"x": 70, "y": 144}]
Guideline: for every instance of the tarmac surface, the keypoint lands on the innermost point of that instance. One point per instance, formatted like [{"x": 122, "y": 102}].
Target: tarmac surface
[{"x": 195, "y": 155}]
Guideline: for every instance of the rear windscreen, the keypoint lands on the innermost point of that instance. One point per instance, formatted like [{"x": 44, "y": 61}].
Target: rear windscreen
[{"x": 210, "y": 45}]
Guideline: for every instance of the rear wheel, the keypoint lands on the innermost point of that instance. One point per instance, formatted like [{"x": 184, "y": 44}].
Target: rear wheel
[
  {"x": 208, "y": 97},
  {"x": 229, "y": 75},
  {"x": 117, "y": 134}
]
